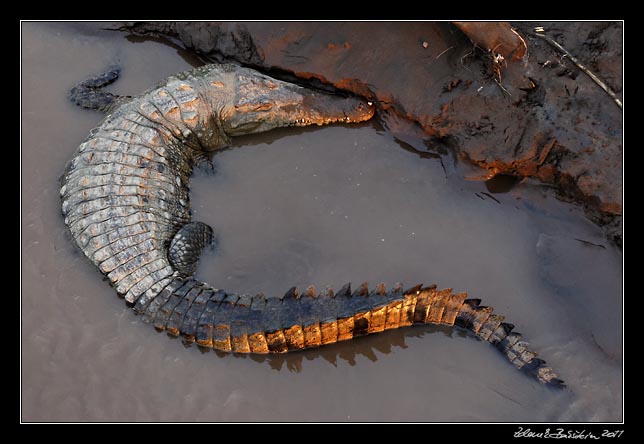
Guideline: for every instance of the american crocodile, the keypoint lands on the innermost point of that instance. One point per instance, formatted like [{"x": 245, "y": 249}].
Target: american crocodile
[{"x": 125, "y": 200}]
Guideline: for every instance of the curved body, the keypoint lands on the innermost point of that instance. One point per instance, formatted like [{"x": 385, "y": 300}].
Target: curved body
[{"x": 125, "y": 199}]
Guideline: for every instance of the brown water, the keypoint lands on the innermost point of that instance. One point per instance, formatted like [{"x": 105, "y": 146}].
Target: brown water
[{"x": 325, "y": 207}]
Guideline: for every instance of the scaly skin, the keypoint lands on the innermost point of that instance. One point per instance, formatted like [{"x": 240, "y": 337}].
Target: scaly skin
[{"x": 125, "y": 201}]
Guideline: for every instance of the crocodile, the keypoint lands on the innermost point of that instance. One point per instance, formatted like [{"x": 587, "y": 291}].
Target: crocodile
[{"x": 125, "y": 200}]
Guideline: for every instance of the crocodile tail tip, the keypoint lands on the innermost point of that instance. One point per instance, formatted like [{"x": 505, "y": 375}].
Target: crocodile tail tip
[
  {"x": 557, "y": 383},
  {"x": 538, "y": 368}
]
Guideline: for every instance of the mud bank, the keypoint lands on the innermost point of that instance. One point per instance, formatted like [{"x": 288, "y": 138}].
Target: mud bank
[{"x": 545, "y": 120}]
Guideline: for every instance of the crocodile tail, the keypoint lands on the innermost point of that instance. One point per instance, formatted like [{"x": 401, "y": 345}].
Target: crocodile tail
[
  {"x": 89, "y": 93},
  {"x": 257, "y": 324}
]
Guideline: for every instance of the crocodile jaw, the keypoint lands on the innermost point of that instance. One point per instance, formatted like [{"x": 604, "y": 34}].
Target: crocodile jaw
[{"x": 262, "y": 103}]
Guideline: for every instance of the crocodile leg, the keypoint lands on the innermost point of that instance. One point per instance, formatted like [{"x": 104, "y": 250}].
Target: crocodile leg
[{"x": 186, "y": 246}]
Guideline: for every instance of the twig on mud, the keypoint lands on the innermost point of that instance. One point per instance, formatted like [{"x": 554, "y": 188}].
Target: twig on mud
[
  {"x": 539, "y": 33},
  {"x": 467, "y": 55},
  {"x": 525, "y": 45},
  {"x": 451, "y": 47},
  {"x": 502, "y": 87},
  {"x": 496, "y": 68}
]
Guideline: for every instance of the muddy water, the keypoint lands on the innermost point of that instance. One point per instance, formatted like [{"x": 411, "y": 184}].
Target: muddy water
[{"x": 324, "y": 207}]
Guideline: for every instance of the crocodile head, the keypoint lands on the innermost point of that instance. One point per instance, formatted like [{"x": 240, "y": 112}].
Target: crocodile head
[{"x": 261, "y": 103}]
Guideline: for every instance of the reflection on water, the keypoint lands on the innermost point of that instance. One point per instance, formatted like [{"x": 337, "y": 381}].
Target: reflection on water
[
  {"x": 367, "y": 346},
  {"x": 346, "y": 351}
]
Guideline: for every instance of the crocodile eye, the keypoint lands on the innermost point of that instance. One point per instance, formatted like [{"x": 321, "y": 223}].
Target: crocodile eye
[{"x": 264, "y": 106}]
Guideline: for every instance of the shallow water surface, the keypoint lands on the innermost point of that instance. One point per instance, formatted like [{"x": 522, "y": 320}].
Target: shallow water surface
[{"x": 321, "y": 206}]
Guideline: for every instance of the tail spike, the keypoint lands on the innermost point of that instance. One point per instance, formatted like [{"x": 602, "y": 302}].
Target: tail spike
[
  {"x": 559, "y": 383},
  {"x": 310, "y": 292},
  {"x": 395, "y": 293},
  {"x": 381, "y": 289},
  {"x": 533, "y": 365},
  {"x": 328, "y": 293},
  {"x": 363, "y": 290},
  {"x": 414, "y": 289},
  {"x": 345, "y": 291},
  {"x": 291, "y": 294},
  {"x": 508, "y": 327}
]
